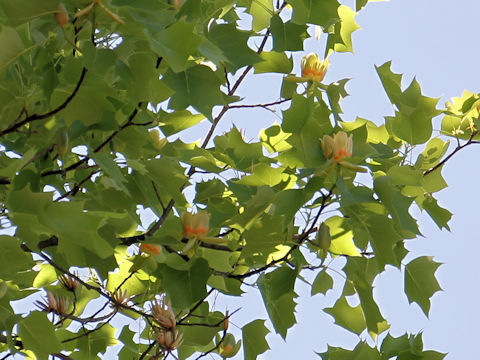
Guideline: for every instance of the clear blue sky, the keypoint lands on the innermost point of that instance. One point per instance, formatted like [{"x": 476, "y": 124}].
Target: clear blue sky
[{"x": 436, "y": 41}]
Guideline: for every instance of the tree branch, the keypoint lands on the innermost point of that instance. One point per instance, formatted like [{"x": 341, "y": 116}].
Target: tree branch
[
  {"x": 77, "y": 187},
  {"x": 265, "y": 106},
  {"x": 75, "y": 165},
  {"x": 457, "y": 149},
  {"x": 35, "y": 117}
]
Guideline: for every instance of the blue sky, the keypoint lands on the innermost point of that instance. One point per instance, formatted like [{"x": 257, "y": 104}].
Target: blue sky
[{"x": 436, "y": 41}]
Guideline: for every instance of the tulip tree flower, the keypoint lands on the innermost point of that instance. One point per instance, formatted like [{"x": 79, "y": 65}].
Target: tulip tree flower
[
  {"x": 337, "y": 148},
  {"x": 340, "y": 146},
  {"x": 150, "y": 249},
  {"x": 313, "y": 69},
  {"x": 195, "y": 229}
]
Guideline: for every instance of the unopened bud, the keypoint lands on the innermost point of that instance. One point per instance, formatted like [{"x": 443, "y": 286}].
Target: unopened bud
[
  {"x": 62, "y": 142},
  {"x": 157, "y": 141},
  {"x": 323, "y": 238},
  {"x": 61, "y": 16},
  {"x": 225, "y": 322}
]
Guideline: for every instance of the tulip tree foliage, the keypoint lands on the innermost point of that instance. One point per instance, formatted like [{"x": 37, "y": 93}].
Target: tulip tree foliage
[{"x": 94, "y": 96}]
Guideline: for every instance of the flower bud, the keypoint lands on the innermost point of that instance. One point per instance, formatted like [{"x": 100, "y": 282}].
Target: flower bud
[
  {"x": 313, "y": 68},
  {"x": 195, "y": 226},
  {"x": 61, "y": 16},
  {"x": 340, "y": 146},
  {"x": 62, "y": 142},
  {"x": 150, "y": 249},
  {"x": 157, "y": 141},
  {"x": 323, "y": 238}
]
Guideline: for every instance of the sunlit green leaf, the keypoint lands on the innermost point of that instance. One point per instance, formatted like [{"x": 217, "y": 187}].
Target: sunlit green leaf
[{"x": 420, "y": 281}]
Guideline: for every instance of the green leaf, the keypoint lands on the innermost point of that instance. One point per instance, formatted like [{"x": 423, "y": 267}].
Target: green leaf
[
  {"x": 172, "y": 123},
  {"x": 233, "y": 43},
  {"x": 264, "y": 174},
  {"x": 322, "y": 283},
  {"x": 45, "y": 276},
  {"x": 197, "y": 86},
  {"x": 342, "y": 237},
  {"x": 274, "y": 62},
  {"x": 97, "y": 342},
  {"x": 341, "y": 39},
  {"x": 398, "y": 205},
  {"x": 254, "y": 342},
  {"x": 109, "y": 166},
  {"x": 287, "y": 36},
  {"x": 12, "y": 46},
  {"x": 413, "y": 120},
  {"x": 262, "y": 11},
  {"x": 38, "y": 334},
  {"x": 21, "y": 11},
  {"x": 351, "y": 318},
  {"x": 175, "y": 44},
  {"x": 361, "y": 273},
  {"x": 277, "y": 292},
  {"x": 433, "y": 153},
  {"x": 12, "y": 258},
  {"x": 130, "y": 349},
  {"x": 361, "y": 352},
  {"x": 186, "y": 287},
  {"x": 420, "y": 281},
  {"x": 263, "y": 237},
  {"x": 233, "y": 150},
  {"x": 392, "y": 346},
  {"x": 440, "y": 215},
  {"x": 323, "y": 13}
]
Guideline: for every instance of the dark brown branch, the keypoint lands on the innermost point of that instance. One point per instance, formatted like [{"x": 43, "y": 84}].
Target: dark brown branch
[
  {"x": 226, "y": 78},
  {"x": 16, "y": 342},
  {"x": 457, "y": 149},
  {"x": 217, "y": 324},
  {"x": 230, "y": 93},
  {"x": 99, "y": 147},
  {"x": 77, "y": 187},
  {"x": 149, "y": 348},
  {"x": 90, "y": 319},
  {"x": 35, "y": 117},
  {"x": 160, "y": 221},
  {"x": 214, "y": 348},
  {"x": 260, "y": 105},
  {"x": 195, "y": 307}
]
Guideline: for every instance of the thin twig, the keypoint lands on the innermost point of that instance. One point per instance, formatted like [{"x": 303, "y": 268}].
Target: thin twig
[
  {"x": 195, "y": 307},
  {"x": 35, "y": 117},
  {"x": 77, "y": 187},
  {"x": 457, "y": 149},
  {"x": 145, "y": 353},
  {"x": 260, "y": 105}
]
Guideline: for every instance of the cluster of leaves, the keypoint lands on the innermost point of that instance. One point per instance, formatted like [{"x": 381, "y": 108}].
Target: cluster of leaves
[{"x": 82, "y": 106}]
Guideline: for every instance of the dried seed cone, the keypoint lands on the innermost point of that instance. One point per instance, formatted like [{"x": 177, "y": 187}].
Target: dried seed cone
[
  {"x": 169, "y": 340},
  {"x": 164, "y": 315}
]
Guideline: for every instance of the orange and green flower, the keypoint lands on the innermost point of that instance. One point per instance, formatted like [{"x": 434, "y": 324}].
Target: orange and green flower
[{"x": 313, "y": 68}]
